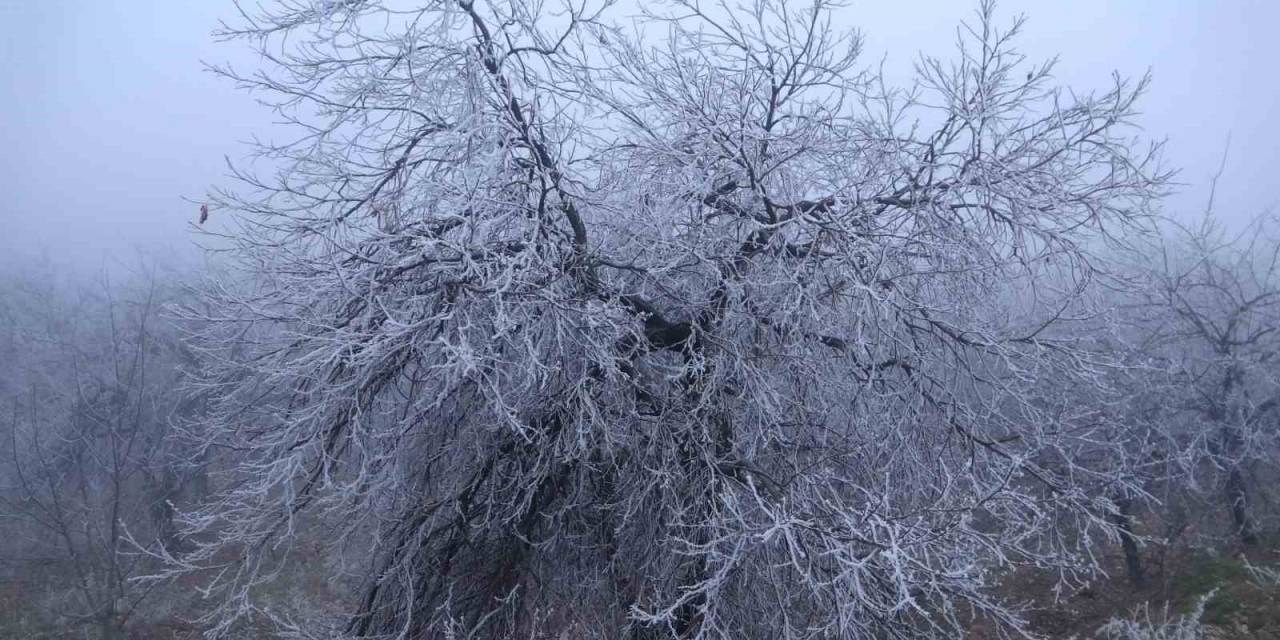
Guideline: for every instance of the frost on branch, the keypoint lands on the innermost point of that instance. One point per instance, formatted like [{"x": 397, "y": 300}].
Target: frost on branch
[{"x": 693, "y": 329}]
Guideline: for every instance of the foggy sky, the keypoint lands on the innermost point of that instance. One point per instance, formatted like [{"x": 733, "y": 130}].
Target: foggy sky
[{"x": 108, "y": 119}]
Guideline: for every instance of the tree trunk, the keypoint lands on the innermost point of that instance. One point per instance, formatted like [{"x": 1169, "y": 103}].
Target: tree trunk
[
  {"x": 112, "y": 626},
  {"x": 1123, "y": 519},
  {"x": 1238, "y": 496},
  {"x": 1237, "y": 491}
]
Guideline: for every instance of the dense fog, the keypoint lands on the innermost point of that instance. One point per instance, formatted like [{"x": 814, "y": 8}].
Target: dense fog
[{"x": 689, "y": 319}]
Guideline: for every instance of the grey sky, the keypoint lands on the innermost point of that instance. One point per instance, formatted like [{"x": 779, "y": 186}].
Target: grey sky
[{"x": 109, "y": 120}]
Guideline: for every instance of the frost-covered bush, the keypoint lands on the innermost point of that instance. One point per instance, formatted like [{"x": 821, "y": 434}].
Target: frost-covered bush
[{"x": 1143, "y": 625}]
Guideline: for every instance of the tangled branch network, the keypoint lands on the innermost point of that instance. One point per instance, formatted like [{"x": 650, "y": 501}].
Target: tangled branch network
[{"x": 564, "y": 322}]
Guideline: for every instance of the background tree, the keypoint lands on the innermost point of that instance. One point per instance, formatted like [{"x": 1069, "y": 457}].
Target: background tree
[
  {"x": 1212, "y": 311},
  {"x": 90, "y": 388},
  {"x": 695, "y": 330}
]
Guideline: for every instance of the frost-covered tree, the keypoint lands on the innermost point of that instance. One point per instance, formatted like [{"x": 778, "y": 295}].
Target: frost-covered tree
[
  {"x": 1210, "y": 311},
  {"x": 90, "y": 385},
  {"x": 686, "y": 327}
]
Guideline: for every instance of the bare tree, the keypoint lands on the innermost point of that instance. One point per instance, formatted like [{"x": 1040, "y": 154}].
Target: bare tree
[
  {"x": 89, "y": 392},
  {"x": 693, "y": 329},
  {"x": 1213, "y": 304}
]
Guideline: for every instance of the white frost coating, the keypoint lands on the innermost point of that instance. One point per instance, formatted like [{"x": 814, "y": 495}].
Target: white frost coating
[{"x": 706, "y": 335}]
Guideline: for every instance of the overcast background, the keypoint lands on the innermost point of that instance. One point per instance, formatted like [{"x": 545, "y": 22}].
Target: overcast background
[{"x": 108, "y": 120}]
